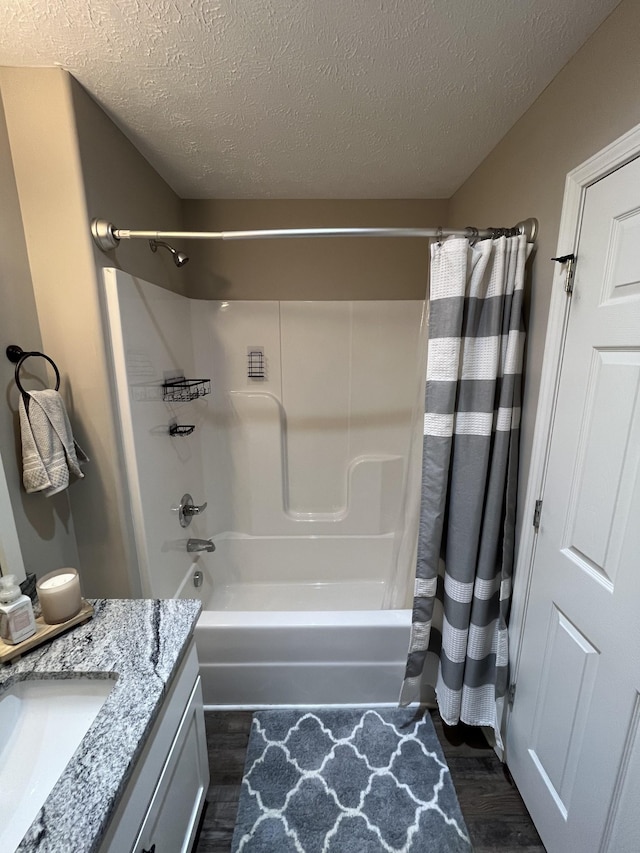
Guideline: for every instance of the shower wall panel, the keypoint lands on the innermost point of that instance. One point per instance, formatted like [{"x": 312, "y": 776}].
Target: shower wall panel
[
  {"x": 150, "y": 335},
  {"x": 319, "y": 445},
  {"x": 316, "y": 386}
]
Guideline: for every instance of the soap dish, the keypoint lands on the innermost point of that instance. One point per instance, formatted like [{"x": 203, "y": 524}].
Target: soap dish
[{"x": 44, "y": 633}]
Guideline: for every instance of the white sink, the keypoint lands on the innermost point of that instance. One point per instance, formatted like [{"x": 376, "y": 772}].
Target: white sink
[{"x": 42, "y": 722}]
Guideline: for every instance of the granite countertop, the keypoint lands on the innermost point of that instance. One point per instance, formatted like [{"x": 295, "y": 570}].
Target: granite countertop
[{"x": 140, "y": 644}]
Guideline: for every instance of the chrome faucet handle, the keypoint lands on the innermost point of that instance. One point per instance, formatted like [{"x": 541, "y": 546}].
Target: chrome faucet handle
[
  {"x": 187, "y": 509},
  {"x": 194, "y": 509},
  {"x": 196, "y": 545}
]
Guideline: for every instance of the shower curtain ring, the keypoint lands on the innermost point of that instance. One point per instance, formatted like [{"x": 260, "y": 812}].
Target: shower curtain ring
[
  {"x": 472, "y": 235},
  {"x": 439, "y": 235}
]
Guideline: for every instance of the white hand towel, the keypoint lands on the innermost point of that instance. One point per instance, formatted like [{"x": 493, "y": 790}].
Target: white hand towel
[{"x": 49, "y": 451}]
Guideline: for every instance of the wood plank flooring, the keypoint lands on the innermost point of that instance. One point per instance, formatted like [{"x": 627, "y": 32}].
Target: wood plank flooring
[
  {"x": 496, "y": 817},
  {"x": 227, "y": 739}
]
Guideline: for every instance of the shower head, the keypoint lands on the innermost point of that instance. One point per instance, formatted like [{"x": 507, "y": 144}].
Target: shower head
[{"x": 179, "y": 258}]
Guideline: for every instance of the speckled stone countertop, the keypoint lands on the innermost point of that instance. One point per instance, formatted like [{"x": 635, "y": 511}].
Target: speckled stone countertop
[{"x": 140, "y": 644}]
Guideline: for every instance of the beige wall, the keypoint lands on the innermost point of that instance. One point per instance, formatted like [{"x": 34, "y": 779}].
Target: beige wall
[
  {"x": 121, "y": 187},
  {"x": 366, "y": 268},
  {"x": 592, "y": 101},
  {"x": 44, "y": 525},
  {"x": 72, "y": 163}
]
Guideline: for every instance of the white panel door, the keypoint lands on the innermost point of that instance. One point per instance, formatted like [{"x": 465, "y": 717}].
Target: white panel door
[{"x": 573, "y": 742}]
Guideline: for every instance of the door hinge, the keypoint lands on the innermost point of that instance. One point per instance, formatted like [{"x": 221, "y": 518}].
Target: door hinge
[
  {"x": 536, "y": 514},
  {"x": 570, "y": 261},
  {"x": 511, "y": 694}
]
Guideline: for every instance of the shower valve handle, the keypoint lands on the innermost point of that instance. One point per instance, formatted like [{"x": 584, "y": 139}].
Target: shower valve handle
[
  {"x": 194, "y": 509},
  {"x": 188, "y": 509}
]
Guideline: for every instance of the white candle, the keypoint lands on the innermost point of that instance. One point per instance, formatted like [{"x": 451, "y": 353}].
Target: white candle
[{"x": 59, "y": 595}]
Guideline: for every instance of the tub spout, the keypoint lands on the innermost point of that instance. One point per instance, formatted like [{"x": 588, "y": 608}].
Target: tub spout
[{"x": 194, "y": 545}]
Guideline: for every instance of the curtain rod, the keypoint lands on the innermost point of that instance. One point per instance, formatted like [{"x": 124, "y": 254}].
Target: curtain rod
[{"x": 107, "y": 236}]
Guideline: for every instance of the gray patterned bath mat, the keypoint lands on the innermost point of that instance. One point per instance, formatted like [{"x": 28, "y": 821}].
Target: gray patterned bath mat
[{"x": 347, "y": 781}]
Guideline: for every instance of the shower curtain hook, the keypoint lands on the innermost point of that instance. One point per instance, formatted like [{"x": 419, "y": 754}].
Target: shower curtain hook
[
  {"x": 473, "y": 235},
  {"x": 439, "y": 235}
]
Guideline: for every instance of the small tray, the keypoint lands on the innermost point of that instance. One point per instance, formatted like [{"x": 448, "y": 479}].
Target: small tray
[
  {"x": 181, "y": 429},
  {"x": 44, "y": 633}
]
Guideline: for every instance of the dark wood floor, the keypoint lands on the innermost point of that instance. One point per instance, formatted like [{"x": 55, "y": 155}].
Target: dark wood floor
[
  {"x": 495, "y": 815},
  {"x": 493, "y": 810},
  {"x": 227, "y": 739}
]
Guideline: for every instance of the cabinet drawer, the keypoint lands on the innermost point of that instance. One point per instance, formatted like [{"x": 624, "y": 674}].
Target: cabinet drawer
[{"x": 172, "y": 817}]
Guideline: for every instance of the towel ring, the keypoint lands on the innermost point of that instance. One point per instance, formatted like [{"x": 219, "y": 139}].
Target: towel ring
[{"x": 17, "y": 355}]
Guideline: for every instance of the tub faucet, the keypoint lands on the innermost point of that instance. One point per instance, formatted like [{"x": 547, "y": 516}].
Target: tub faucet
[{"x": 194, "y": 545}]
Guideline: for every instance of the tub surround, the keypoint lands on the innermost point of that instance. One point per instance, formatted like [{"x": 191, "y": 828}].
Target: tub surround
[
  {"x": 304, "y": 472},
  {"x": 140, "y": 644},
  {"x": 317, "y": 448}
]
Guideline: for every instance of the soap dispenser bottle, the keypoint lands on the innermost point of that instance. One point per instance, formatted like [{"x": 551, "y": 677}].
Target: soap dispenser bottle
[{"x": 17, "y": 622}]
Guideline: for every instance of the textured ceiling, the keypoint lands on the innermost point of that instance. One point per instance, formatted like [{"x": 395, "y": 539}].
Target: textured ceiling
[{"x": 306, "y": 98}]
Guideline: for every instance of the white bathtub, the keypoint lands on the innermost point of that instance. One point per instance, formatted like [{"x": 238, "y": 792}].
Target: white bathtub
[{"x": 297, "y": 621}]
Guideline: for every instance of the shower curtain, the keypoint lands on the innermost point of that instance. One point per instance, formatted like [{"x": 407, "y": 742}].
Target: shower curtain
[{"x": 469, "y": 469}]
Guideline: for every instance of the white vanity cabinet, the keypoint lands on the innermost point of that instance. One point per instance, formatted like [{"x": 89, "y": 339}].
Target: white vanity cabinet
[{"x": 162, "y": 803}]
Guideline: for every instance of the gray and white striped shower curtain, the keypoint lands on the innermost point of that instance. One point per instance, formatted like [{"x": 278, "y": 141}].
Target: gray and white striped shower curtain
[{"x": 469, "y": 475}]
